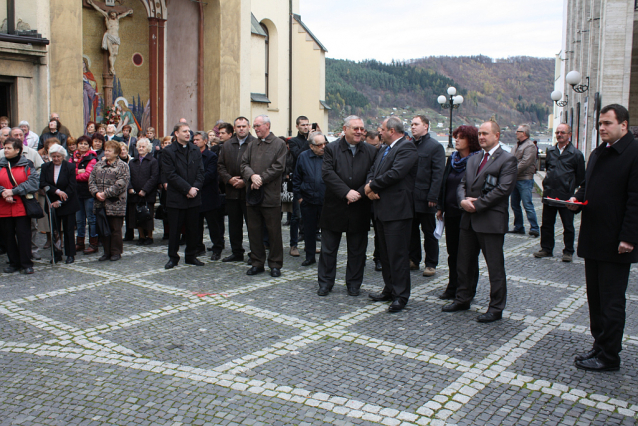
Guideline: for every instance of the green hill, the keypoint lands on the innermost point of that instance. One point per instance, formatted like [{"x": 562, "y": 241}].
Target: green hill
[{"x": 513, "y": 90}]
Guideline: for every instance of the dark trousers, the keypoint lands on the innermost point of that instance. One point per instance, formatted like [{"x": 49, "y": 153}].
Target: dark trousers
[
  {"x": 375, "y": 254},
  {"x": 427, "y": 221},
  {"x": 270, "y": 217},
  {"x": 295, "y": 223},
  {"x": 606, "y": 287},
  {"x": 236, "y": 210},
  {"x": 471, "y": 243},
  {"x": 357, "y": 243},
  {"x": 176, "y": 219},
  {"x": 113, "y": 244},
  {"x": 452, "y": 236},
  {"x": 17, "y": 239},
  {"x": 215, "y": 220},
  {"x": 311, "y": 214},
  {"x": 394, "y": 245},
  {"x": 67, "y": 222},
  {"x": 547, "y": 228}
]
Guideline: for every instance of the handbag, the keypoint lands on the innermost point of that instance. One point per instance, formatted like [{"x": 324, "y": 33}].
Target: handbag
[
  {"x": 142, "y": 214},
  {"x": 31, "y": 205},
  {"x": 286, "y": 191},
  {"x": 160, "y": 214}
]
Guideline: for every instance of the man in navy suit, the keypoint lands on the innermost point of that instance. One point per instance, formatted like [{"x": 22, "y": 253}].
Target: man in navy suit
[{"x": 390, "y": 187}]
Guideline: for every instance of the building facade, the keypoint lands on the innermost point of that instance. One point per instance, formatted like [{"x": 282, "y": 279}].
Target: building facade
[
  {"x": 155, "y": 62},
  {"x": 600, "y": 41}
]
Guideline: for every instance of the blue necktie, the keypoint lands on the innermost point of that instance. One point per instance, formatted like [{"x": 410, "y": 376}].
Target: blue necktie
[{"x": 384, "y": 154}]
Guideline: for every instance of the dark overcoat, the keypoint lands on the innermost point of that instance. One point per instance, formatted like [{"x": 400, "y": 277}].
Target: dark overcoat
[
  {"x": 182, "y": 169},
  {"x": 144, "y": 177},
  {"x": 210, "y": 190},
  {"x": 611, "y": 192},
  {"x": 341, "y": 172},
  {"x": 429, "y": 175},
  {"x": 66, "y": 183}
]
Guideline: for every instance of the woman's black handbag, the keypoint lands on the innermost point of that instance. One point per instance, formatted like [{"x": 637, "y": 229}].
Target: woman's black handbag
[
  {"x": 142, "y": 214},
  {"x": 160, "y": 214},
  {"x": 286, "y": 191},
  {"x": 31, "y": 205}
]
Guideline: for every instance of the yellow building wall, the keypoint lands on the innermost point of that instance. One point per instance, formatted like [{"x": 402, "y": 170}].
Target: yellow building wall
[{"x": 257, "y": 64}]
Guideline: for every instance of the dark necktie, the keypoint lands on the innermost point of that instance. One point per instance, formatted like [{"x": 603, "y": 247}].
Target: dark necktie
[
  {"x": 485, "y": 158},
  {"x": 384, "y": 154}
]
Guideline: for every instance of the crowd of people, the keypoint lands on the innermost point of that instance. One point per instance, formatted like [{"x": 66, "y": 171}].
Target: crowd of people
[{"x": 402, "y": 184}]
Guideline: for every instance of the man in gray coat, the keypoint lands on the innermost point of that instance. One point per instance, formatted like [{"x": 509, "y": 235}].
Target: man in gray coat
[
  {"x": 483, "y": 192},
  {"x": 262, "y": 165},
  {"x": 525, "y": 153}
]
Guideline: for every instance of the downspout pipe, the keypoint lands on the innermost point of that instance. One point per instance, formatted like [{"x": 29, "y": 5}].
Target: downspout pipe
[
  {"x": 290, "y": 71},
  {"x": 200, "y": 70}
]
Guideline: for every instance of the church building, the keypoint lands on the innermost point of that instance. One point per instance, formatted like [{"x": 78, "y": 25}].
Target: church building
[{"x": 156, "y": 61}]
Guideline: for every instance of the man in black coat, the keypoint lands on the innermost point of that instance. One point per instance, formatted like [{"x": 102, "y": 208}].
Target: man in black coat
[
  {"x": 565, "y": 167},
  {"x": 228, "y": 167},
  {"x": 429, "y": 177},
  {"x": 608, "y": 235},
  {"x": 391, "y": 187},
  {"x": 211, "y": 209},
  {"x": 298, "y": 145},
  {"x": 183, "y": 172},
  {"x": 346, "y": 163}
]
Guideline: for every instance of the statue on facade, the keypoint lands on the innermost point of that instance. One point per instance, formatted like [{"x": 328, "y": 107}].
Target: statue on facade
[{"x": 111, "y": 39}]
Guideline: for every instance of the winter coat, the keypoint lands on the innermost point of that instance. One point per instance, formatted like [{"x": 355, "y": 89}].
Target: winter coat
[
  {"x": 525, "y": 153},
  {"x": 229, "y": 165},
  {"x": 429, "y": 176},
  {"x": 47, "y": 135},
  {"x": 144, "y": 177},
  {"x": 307, "y": 181},
  {"x": 28, "y": 182},
  {"x": 565, "y": 172},
  {"x": 84, "y": 162},
  {"x": 266, "y": 158},
  {"x": 182, "y": 169},
  {"x": 210, "y": 190},
  {"x": 113, "y": 180},
  {"x": 66, "y": 183}
]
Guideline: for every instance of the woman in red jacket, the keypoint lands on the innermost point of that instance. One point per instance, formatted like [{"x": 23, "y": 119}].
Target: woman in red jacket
[
  {"x": 85, "y": 159},
  {"x": 18, "y": 177}
]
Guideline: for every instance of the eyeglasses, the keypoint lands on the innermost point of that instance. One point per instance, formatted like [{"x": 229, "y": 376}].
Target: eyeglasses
[
  {"x": 560, "y": 133},
  {"x": 520, "y": 131},
  {"x": 255, "y": 126},
  {"x": 358, "y": 129}
]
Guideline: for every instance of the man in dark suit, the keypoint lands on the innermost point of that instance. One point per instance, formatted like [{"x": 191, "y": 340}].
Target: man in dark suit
[
  {"x": 346, "y": 163},
  {"x": 183, "y": 172},
  {"x": 483, "y": 194},
  {"x": 608, "y": 235},
  {"x": 391, "y": 186},
  {"x": 229, "y": 170},
  {"x": 429, "y": 177}
]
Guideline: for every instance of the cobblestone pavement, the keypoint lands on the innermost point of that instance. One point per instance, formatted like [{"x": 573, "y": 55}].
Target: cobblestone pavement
[{"x": 131, "y": 343}]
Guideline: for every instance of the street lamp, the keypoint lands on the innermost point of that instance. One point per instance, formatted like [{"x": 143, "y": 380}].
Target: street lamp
[
  {"x": 452, "y": 103},
  {"x": 573, "y": 78},
  {"x": 556, "y": 97}
]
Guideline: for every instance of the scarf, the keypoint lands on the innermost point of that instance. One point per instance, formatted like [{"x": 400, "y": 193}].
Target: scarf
[{"x": 459, "y": 164}]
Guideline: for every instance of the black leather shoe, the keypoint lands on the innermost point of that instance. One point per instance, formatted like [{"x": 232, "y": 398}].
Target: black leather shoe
[
  {"x": 595, "y": 364},
  {"x": 170, "y": 264},
  {"x": 10, "y": 269},
  {"x": 396, "y": 306},
  {"x": 323, "y": 291},
  {"x": 69, "y": 259},
  {"x": 215, "y": 256},
  {"x": 234, "y": 258},
  {"x": 308, "y": 262},
  {"x": 489, "y": 317},
  {"x": 27, "y": 271},
  {"x": 141, "y": 242},
  {"x": 446, "y": 296},
  {"x": 115, "y": 257},
  {"x": 201, "y": 253},
  {"x": 275, "y": 272},
  {"x": 148, "y": 242},
  {"x": 513, "y": 231},
  {"x": 352, "y": 291},
  {"x": 380, "y": 297},
  {"x": 534, "y": 233},
  {"x": 194, "y": 261},
  {"x": 104, "y": 257},
  {"x": 255, "y": 270},
  {"x": 587, "y": 355},
  {"x": 454, "y": 307},
  {"x": 377, "y": 266}
]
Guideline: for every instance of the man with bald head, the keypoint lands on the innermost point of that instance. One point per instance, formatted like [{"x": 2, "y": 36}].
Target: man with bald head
[
  {"x": 565, "y": 167},
  {"x": 483, "y": 193}
]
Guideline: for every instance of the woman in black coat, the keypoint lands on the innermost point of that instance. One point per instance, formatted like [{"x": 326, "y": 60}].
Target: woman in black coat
[
  {"x": 59, "y": 176},
  {"x": 142, "y": 189}
]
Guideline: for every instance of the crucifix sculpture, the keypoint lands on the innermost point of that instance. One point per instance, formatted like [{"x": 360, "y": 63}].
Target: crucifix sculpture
[{"x": 111, "y": 39}]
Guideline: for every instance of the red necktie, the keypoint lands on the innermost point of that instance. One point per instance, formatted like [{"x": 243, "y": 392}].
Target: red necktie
[{"x": 485, "y": 157}]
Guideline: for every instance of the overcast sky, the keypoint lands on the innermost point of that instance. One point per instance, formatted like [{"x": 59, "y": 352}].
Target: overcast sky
[{"x": 408, "y": 29}]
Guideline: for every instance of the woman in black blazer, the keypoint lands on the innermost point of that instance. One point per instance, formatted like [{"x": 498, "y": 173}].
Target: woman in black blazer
[{"x": 59, "y": 176}]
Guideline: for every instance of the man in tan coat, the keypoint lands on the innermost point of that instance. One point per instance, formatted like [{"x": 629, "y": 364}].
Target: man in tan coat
[{"x": 525, "y": 153}]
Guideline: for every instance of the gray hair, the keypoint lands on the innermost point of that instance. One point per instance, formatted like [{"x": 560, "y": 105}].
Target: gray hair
[
  {"x": 569, "y": 128},
  {"x": 526, "y": 129},
  {"x": 111, "y": 126},
  {"x": 24, "y": 123},
  {"x": 16, "y": 129},
  {"x": 394, "y": 123},
  {"x": 264, "y": 118},
  {"x": 143, "y": 140},
  {"x": 204, "y": 135},
  {"x": 57, "y": 149},
  {"x": 313, "y": 135},
  {"x": 348, "y": 119}
]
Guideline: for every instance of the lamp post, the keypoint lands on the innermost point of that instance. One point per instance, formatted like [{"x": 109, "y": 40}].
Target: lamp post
[{"x": 452, "y": 102}]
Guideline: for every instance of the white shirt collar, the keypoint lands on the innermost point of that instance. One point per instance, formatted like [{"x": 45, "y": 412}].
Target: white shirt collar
[
  {"x": 392, "y": 144},
  {"x": 491, "y": 151}
]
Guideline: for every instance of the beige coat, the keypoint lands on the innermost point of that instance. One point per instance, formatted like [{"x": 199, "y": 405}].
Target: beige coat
[
  {"x": 112, "y": 179},
  {"x": 525, "y": 153}
]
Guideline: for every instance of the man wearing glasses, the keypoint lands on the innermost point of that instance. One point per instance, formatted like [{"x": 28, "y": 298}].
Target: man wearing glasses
[
  {"x": 565, "y": 167},
  {"x": 346, "y": 163},
  {"x": 525, "y": 153}
]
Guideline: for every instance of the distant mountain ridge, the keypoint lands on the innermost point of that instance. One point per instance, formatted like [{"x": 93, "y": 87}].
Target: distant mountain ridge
[{"x": 513, "y": 90}]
